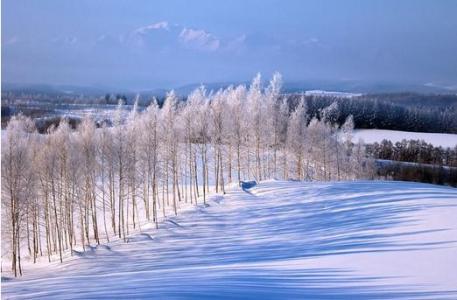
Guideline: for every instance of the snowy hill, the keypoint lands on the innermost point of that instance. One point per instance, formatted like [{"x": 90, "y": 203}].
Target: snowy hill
[{"x": 276, "y": 240}]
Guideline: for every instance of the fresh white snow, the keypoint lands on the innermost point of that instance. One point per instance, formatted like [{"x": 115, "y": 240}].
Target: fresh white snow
[
  {"x": 275, "y": 240},
  {"x": 370, "y": 136}
]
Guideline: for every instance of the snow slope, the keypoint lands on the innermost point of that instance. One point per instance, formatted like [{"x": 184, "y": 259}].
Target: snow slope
[
  {"x": 276, "y": 240},
  {"x": 370, "y": 136}
]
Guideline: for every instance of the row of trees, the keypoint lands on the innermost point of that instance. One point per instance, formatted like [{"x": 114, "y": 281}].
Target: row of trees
[
  {"x": 406, "y": 112},
  {"x": 436, "y": 174},
  {"x": 415, "y": 160},
  {"x": 415, "y": 151},
  {"x": 69, "y": 188}
]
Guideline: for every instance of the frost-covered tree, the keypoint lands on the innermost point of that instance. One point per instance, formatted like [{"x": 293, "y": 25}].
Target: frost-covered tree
[
  {"x": 256, "y": 116},
  {"x": 170, "y": 136},
  {"x": 277, "y": 112},
  {"x": 149, "y": 149},
  {"x": 239, "y": 125},
  {"x": 217, "y": 109},
  {"x": 198, "y": 98},
  {"x": 346, "y": 145},
  {"x": 119, "y": 151},
  {"x": 87, "y": 146},
  {"x": 296, "y": 137},
  {"x": 16, "y": 183}
]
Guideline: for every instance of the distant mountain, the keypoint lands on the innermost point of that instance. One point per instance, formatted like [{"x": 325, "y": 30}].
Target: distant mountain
[
  {"x": 336, "y": 86},
  {"x": 59, "y": 89},
  {"x": 353, "y": 86},
  {"x": 343, "y": 86}
]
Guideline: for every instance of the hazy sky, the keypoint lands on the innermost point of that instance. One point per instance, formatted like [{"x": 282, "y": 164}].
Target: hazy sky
[{"x": 148, "y": 44}]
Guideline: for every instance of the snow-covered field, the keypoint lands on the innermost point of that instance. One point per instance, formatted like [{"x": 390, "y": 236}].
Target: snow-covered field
[
  {"x": 332, "y": 94},
  {"x": 377, "y": 135},
  {"x": 276, "y": 240}
]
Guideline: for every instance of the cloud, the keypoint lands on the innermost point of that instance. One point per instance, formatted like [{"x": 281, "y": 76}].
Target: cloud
[
  {"x": 66, "y": 40},
  {"x": 165, "y": 35},
  {"x": 311, "y": 41},
  {"x": 108, "y": 41},
  {"x": 155, "y": 35},
  {"x": 156, "y": 26},
  {"x": 199, "y": 39}
]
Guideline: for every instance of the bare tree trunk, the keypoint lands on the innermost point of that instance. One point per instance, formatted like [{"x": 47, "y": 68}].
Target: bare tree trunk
[
  {"x": 81, "y": 218},
  {"x": 147, "y": 189},
  {"x": 204, "y": 175},
  {"x": 163, "y": 199},
  {"x": 92, "y": 199},
  {"x": 34, "y": 231},
  {"x": 196, "y": 178},
  {"x": 191, "y": 175},
  {"x": 238, "y": 161},
  {"x": 216, "y": 167},
  {"x": 229, "y": 171},
  {"x": 28, "y": 230},
  {"x": 103, "y": 200},
  {"x": 175, "y": 183},
  {"x": 337, "y": 160},
  {"x": 257, "y": 157},
  {"x": 154, "y": 199},
  {"x": 167, "y": 184},
  {"x": 112, "y": 200},
  {"x": 133, "y": 203},
  {"x": 18, "y": 245},
  {"x": 120, "y": 201},
  {"x": 47, "y": 222},
  {"x": 127, "y": 205},
  {"x": 13, "y": 231},
  {"x": 221, "y": 171},
  {"x": 206, "y": 170},
  {"x": 59, "y": 237}
]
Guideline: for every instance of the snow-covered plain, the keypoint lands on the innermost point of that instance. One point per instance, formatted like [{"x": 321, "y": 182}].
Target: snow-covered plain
[
  {"x": 370, "y": 136},
  {"x": 276, "y": 240}
]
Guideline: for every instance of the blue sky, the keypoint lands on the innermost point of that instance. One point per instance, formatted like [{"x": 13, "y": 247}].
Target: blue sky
[{"x": 152, "y": 44}]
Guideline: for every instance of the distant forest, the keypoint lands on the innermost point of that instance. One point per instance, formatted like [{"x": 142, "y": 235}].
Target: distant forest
[
  {"x": 405, "y": 111},
  {"x": 414, "y": 160},
  {"x": 414, "y": 151}
]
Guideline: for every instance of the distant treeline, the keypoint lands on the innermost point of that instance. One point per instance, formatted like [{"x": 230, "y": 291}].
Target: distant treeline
[
  {"x": 414, "y": 151},
  {"x": 414, "y": 160},
  {"x": 22, "y": 99},
  {"x": 394, "y": 170},
  {"x": 406, "y": 111}
]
